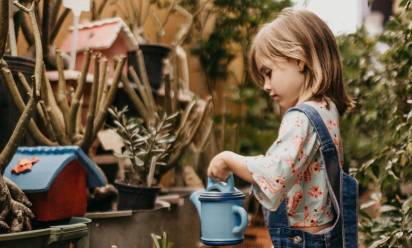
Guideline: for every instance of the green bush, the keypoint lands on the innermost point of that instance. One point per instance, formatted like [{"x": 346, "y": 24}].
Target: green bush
[
  {"x": 254, "y": 129},
  {"x": 378, "y": 134}
]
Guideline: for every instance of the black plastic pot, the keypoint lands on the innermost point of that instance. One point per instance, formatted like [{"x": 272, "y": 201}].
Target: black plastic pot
[
  {"x": 9, "y": 113},
  {"x": 133, "y": 197},
  {"x": 153, "y": 57}
]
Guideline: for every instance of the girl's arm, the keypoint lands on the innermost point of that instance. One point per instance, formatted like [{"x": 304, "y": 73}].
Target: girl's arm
[
  {"x": 226, "y": 161},
  {"x": 275, "y": 173}
]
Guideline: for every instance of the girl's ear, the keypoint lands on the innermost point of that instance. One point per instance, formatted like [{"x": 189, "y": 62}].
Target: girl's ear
[{"x": 301, "y": 65}]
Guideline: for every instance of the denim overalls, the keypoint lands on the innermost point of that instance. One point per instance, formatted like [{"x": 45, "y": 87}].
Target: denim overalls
[{"x": 344, "y": 194}]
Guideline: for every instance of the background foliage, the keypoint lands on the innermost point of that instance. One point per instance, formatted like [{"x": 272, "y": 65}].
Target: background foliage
[
  {"x": 235, "y": 25},
  {"x": 378, "y": 134}
]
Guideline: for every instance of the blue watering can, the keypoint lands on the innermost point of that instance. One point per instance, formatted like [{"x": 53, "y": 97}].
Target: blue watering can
[{"x": 223, "y": 219}]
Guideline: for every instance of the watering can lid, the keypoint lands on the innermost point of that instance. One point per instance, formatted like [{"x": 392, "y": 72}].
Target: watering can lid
[
  {"x": 218, "y": 191},
  {"x": 221, "y": 196}
]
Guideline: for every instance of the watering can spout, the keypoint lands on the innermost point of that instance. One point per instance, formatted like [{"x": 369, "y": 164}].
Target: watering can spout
[{"x": 194, "y": 198}]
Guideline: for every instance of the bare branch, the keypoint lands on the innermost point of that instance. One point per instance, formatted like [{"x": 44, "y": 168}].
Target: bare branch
[
  {"x": 58, "y": 24},
  {"x": 27, "y": 32},
  {"x": 40, "y": 111},
  {"x": 145, "y": 80},
  {"x": 45, "y": 27},
  {"x": 136, "y": 101},
  {"x": 88, "y": 133},
  {"x": 78, "y": 93},
  {"x": 11, "y": 146},
  {"x": 37, "y": 42},
  {"x": 18, "y": 100},
  {"x": 61, "y": 91},
  {"x": 102, "y": 81},
  {"x": 18, "y": 132},
  {"x": 53, "y": 111},
  {"x": 56, "y": 5},
  {"x": 146, "y": 100},
  {"x": 4, "y": 26},
  {"x": 101, "y": 115},
  {"x": 23, "y": 8}
]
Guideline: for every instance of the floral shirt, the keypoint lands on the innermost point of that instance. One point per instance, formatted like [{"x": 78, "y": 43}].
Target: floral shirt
[{"x": 293, "y": 168}]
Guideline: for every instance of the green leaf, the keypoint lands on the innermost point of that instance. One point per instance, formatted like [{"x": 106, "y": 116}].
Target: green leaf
[
  {"x": 388, "y": 208},
  {"x": 164, "y": 240},
  {"x": 379, "y": 243},
  {"x": 155, "y": 239},
  {"x": 409, "y": 148},
  {"x": 407, "y": 205},
  {"x": 368, "y": 204}
]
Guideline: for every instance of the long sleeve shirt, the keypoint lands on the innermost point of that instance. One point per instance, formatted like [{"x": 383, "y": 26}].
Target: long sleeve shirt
[{"x": 293, "y": 168}]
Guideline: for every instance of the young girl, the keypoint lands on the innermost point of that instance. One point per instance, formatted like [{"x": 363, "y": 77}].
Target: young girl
[{"x": 295, "y": 59}]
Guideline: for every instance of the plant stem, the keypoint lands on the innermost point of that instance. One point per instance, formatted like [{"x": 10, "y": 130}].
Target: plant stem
[{"x": 4, "y": 25}]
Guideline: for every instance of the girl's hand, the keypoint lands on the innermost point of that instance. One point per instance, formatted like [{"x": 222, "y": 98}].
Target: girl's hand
[{"x": 218, "y": 169}]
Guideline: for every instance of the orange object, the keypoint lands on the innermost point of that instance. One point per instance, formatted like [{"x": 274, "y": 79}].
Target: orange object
[{"x": 24, "y": 165}]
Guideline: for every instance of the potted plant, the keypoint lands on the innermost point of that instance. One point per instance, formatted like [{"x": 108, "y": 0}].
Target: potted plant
[
  {"x": 136, "y": 14},
  {"x": 147, "y": 146}
]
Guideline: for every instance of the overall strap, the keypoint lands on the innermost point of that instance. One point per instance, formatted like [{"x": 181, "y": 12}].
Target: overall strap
[{"x": 329, "y": 153}]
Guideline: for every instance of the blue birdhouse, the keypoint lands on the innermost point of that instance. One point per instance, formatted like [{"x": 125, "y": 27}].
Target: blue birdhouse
[{"x": 55, "y": 179}]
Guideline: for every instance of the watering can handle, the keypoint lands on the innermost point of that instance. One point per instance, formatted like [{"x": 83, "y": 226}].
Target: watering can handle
[
  {"x": 215, "y": 185},
  {"x": 243, "y": 219}
]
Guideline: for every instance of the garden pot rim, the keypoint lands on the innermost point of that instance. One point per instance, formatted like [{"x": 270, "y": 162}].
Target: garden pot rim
[
  {"x": 160, "y": 45},
  {"x": 126, "y": 213},
  {"x": 78, "y": 228},
  {"x": 140, "y": 186}
]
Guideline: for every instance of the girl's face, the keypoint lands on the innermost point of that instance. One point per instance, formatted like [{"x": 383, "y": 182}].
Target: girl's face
[{"x": 284, "y": 79}]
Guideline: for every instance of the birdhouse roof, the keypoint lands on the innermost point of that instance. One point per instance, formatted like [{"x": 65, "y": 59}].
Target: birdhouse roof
[
  {"x": 51, "y": 161},
  {"x": 99, "y": 35}
]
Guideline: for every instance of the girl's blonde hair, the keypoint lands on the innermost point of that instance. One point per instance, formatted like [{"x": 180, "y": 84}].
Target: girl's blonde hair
[{"x": 303, "y": 36}]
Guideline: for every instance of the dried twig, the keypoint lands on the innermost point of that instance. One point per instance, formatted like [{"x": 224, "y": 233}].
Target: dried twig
[
  {"x": 78, "y": 93},
  {"x": 145, "y": 81},
  {"x": 53, "y": 111},
  {"x": 4, "y": 26},
  {"x": 102, "y": 113},
  {"x": 15, "y": 94},
  {"x": 18, "y": 132},
  {"x": 102, "y": 81},
  {"x": 136, "y": 101},
  {"x": 61, "y": 91},
  {"x": 59, "y": 23},
  {"x": 40, "y": 112},
  {"x": 88, "y": 133},
  {"x": 37, "y": 42}
]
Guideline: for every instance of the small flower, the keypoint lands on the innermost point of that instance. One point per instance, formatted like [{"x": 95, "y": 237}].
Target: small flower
[{"x": 315, "y": 191}]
